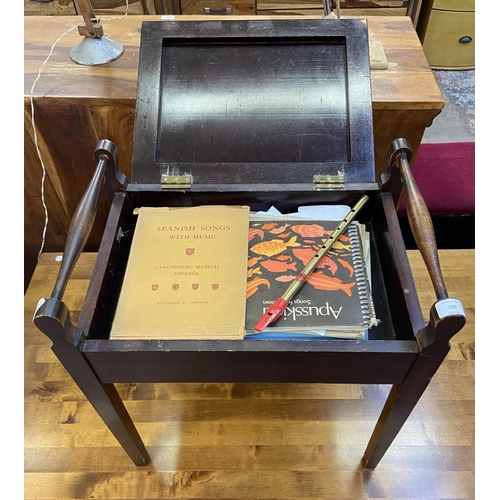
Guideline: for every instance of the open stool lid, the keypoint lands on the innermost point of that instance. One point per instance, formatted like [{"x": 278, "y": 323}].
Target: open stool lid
[{"x": 281, "y": 103}]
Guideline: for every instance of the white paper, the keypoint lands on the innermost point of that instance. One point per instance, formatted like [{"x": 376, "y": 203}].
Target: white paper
[{"x": 315, "y": 212}]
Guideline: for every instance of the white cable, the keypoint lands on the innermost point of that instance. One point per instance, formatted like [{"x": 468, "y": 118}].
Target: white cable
[
  {"x": 35, "y": 135},
  {"x": 35, "y": 138},
  {"x": 117, "y": 18}
]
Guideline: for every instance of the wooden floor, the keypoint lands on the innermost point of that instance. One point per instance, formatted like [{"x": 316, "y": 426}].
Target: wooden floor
[{"x": 250, "y": 440}]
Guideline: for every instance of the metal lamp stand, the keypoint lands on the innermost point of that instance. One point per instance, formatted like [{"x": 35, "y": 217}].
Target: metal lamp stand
[
  {"x": 327, "y": 9},
  {"x": 95, "y": 48}
]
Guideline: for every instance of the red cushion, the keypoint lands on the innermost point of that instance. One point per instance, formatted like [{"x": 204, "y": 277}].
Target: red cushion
[{"x": 445, "y": 175}]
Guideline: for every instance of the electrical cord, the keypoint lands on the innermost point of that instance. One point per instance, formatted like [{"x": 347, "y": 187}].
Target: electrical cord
[{"x": 35, "y": 135}]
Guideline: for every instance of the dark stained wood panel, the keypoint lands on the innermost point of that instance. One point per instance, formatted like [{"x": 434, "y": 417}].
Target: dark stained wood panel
[
  {"x": 272, "y": 102},
  {"x": 255, "y": 98}
]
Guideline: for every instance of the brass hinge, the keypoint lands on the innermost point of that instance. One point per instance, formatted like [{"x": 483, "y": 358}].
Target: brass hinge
[
  {"x": 176, "y": 181},
  {"x": 329, "y": 181}
]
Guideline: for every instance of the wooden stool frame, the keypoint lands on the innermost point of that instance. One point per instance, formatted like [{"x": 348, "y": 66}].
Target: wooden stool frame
[
  {"x": 402, "y": 350},
  {"x": 406, "y": 356}
]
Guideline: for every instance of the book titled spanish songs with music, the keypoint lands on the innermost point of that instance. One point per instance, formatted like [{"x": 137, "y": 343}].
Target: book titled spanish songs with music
[
  {"x": 186, "y": 275},
  {"x": 335, "y": 300}
]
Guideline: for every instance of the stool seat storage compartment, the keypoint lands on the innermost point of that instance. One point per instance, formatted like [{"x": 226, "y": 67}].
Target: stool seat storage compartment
[{"x": 265, "y": 114}]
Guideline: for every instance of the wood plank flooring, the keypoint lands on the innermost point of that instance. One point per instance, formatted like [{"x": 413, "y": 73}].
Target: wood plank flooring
[{"x": 249, "y": 440}]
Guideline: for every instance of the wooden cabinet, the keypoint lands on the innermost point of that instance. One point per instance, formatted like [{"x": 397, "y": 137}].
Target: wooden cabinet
[
  {"x": 290, "y": 7},
  {"x": 218, "y": 7},
  {"x": 51, "y": 8},
  {"x": 116, "y": 7},
  {"x": 221, "y": 7},
  {"x": 293, "y": 7},
  {"x": 101, "y": 7},
  {"x": 446, "y": 29},
  {"x": 347, "y": 7}
]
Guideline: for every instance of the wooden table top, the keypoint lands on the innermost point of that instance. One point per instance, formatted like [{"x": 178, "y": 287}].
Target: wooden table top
[
  {"x": 408, "y": 82},
  {"x": 249, "y": 440}
]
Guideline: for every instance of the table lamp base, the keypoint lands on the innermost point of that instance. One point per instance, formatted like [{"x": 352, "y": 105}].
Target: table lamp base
[{"x": 95, "y": 51}]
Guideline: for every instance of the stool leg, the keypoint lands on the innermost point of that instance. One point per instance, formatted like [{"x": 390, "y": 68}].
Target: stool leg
[
  {"x": 108, "y": 404},
  {"x": 400, "y": 402},
  {"x": 396, "y": 411},
  {"x": 52, "y": 318},
  {"x": 434, "y": 343}
]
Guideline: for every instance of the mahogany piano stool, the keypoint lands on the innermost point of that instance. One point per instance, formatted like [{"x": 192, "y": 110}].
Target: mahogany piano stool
[{"x": 313, "y": 143}]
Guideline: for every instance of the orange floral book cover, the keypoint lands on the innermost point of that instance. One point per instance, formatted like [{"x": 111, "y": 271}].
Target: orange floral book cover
[
  {"x": 186, "y": 275},
  {"x": 334, "y": 301}
]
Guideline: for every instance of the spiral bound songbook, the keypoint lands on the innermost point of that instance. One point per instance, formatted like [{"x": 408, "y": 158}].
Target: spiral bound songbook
[{"x": 335, "y": 300}]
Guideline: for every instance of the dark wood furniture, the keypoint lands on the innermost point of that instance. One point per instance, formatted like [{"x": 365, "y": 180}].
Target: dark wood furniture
[
  {"x": 194, "y": 122},
  {"x": 413, "y": 10},
  {"x": 78, "y": 105}
]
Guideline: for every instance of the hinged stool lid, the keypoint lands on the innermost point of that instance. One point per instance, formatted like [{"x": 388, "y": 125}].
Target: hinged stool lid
[{"x": 276, "y": 103}]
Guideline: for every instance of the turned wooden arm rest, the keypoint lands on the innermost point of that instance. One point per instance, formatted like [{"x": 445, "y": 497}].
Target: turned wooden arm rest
[
  {"x": 53, "y": 309},
  {"x": 447, "y": 314}
]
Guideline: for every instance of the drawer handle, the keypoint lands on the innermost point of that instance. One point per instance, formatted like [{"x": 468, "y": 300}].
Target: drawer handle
[
  {"x": 218, "y": 12},
  {"x": 465, "y": 39}
]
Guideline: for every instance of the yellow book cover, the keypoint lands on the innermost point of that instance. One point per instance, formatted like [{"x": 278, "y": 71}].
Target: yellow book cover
[{"x": 186, "y": 275}]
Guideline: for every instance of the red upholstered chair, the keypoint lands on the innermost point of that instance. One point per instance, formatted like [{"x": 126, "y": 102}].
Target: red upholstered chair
[{"x": 445, "y": 174}]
